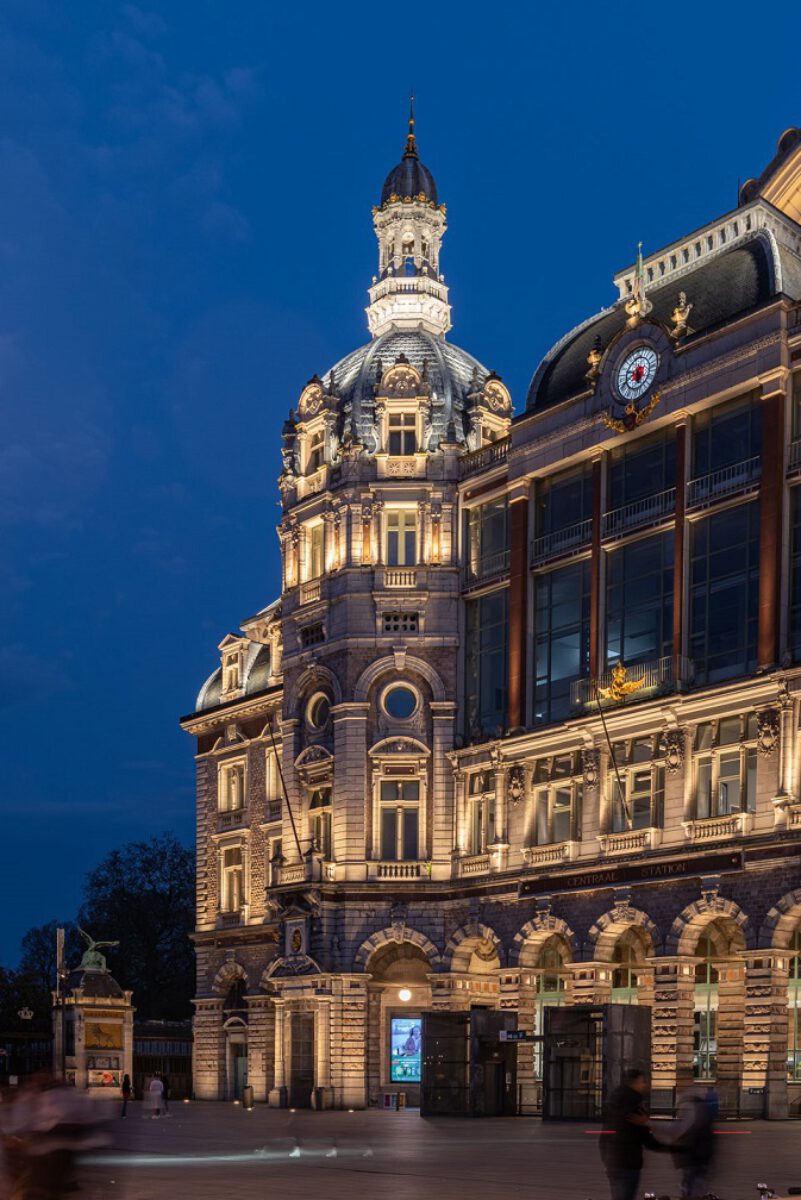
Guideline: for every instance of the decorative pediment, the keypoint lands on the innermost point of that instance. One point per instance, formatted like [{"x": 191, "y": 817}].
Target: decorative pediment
[
  {"x": 311, "y": 400},
  {"x": 399, "y": 747},
  {"x": 400, "y": 380},
  {"x": 495, "y": 397},
  {"x": 313, "y": 756}
]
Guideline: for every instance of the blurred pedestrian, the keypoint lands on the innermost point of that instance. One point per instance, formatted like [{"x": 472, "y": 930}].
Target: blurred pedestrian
[
  {"x": 156, "y": 1090},
  {"x": 126, "y": 1094},
  {"x": 693, "y": 1139},
  {"x": 165, "y": 1095},
  {"x": 626, "y": 1132}
]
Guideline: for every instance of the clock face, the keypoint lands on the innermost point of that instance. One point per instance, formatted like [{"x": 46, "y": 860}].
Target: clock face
[{"x": 637, "y": 372}]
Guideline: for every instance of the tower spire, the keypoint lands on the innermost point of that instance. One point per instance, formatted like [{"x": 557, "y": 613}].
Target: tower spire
[{"x": 411, "y": 140}]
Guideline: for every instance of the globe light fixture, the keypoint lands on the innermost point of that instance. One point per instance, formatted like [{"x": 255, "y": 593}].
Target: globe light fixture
[{"x": 405, "y": 995}]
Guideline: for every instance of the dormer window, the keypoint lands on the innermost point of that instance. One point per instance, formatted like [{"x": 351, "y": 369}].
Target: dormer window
[
  {"x": 402, "y": 429},
  {"x": 231, "y": 673},
  {"x": 316, "y": 452}
]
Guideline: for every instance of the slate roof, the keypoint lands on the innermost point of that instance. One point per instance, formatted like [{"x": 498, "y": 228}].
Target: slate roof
[
  {"x": 409, "y": 178},
  {"x": 734, "y": 283}
]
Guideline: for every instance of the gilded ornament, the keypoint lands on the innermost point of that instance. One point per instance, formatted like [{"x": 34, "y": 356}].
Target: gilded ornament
[{"x": 621, "y": 686}]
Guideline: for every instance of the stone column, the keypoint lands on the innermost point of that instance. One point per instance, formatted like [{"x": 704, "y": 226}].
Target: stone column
[
  {"x": 500, "y": 842},
  {"x": 330, "y": 549},
  {"x": 459, "y": 778},
  {"x": 377, "y": 539},
  {"x": 323, "y": 1094},
  {"x": 278, "y": 1093},
  {"x": 261, "y": 1045},
  {"x": 765, "y": 1020},
  {"x": 591, "y": 982},
  {"x": 290, "y": 749},
  {"x": 672, "y": 1025},
  {"x": 731, "y": 1002},
  {"x": 351, "y": 828},
  {"x": 208, "y": 1050},
  {"x": 440, "y": 802},
  {"x": 349, "y": 1040}
]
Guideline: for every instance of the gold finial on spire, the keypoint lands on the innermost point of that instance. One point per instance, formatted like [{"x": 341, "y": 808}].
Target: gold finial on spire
[{"x": 411, "y": 141}]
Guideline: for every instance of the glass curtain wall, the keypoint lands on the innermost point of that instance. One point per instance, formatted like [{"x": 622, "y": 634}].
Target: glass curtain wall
[
  {"x": 488, "y": 538},
  {"x": 724, "y": 593},
  {"x": 562, "y": 640},
  {"x": 639, "y": 600},
  {"x": 486, "y": 688}
]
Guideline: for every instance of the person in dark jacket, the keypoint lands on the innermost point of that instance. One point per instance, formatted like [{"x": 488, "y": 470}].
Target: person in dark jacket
[
  {"x": 126, "y": 1094},
  {"x": 626, "y": 1133},
  {"x": 693, "y": 1138}
]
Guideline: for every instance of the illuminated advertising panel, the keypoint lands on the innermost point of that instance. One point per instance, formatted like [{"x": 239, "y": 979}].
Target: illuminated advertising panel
[{"x": 405, "y": 1049}]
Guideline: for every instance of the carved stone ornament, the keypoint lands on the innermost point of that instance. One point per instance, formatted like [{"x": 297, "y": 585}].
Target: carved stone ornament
[
  {"x": 680, "y": 318},
  {"x": 516, "y": 785},
  {"x": 590, "y": 768},
  {"x": 496, "y": 397},
  {"x": 767, "y": 731},
  {"x": 485, "y": 950},
  {"x": 674, "y": 750}
]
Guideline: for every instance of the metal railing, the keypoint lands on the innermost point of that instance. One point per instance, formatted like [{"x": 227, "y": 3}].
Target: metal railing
[
  {"x": 641, "y": 681},
  {"x": 562, "y": 541},
  {"x": 489, "y": 566},
  {"x": 728, "y": 480},
  {"x": 639, "y": 512},
  {"x": 486, "y": 456}
]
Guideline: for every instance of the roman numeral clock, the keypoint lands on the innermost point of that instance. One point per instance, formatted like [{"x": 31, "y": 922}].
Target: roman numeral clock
[{"x": 629, "y": 374}]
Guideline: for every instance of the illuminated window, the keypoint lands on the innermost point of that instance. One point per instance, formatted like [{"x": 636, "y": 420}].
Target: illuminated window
[
  {"x": 705, "y": 1045},
  {"x": 627, "y": 957},
  {"x": 637, "y": 784},
  {"x": 320, "y": 821},
  {"x": 231, "y": 672},
  {"x": 725, "y": 766},
  {"x": 481, "y": 801},
  {"x": 402, "y": 429},
  {"x": 316, "y": 451},
  {"x": 314, "y": 550},
  {"x": 557, "y": 807},
  {"x": 401, "y": 537},
  {"x": 231, "y": 787},
  {"x": 233, "y": 880},
  {"x": 399, "y": 821},
  {"x": 551, "y": 985}
]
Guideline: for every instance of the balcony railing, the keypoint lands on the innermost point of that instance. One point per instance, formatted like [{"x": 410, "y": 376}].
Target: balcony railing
[
  {"x": 400, "y": 577},
  {"x": 571, "y": 540},
  {"x": 794, "y": 457},
  {"x": 738, "y": 477},
  {"x": 640, "y": 682},
  {"x": 231, "y": 819},
  {"x": 629, "y": 841},
  {"x": 311, "y": 591},
  {"x": 486, "y": 568},
  {"x": 485, "y": 456},
  {"x": 647, "y": 511},
  {"x": 396, "y": 870},
  {"x": 713, "y": 829},
  {"x": 475, "y": 864},
  {"x": 549, "y": 856}
]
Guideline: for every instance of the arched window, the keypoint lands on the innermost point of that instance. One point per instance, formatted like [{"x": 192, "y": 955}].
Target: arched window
[
  {"x": 551, "y": 991},
  {"x": 794, "y": 1010},
  {"x": 627, "y": 957},
  {"x": 705, "y": 1045}
]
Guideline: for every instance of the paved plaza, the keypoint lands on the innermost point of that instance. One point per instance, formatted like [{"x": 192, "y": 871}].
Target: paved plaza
[{"x": 212, "y": 1151}]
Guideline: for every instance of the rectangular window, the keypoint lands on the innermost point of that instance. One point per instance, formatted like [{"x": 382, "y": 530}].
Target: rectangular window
[
  {"x": 402, "y": 433},
  {"x": 795, "y": 571},
  {"x": 488, "y": 539},
  {"x": 316, "y": 455},
  {"x": 401, "y": 622},
  {"x": 481, "y": 799},
  {"x": 233, "y": 880},
  {"x": 556, "y": 813},
  {"x": 725, "y": 770},
  {"x": 642, "y": 469},
  {"x": 562, "y": 644},
  {"x": 312, "y": 635},
  {"x": 399, "y": 821},
  {"x": 314, "y": 559},
  {"x": 486, "y": 664},
  {"x": 231, "y": 787},
  {"x": 401, "y": 537},
  {"x": 564, "y": 500},
  {"x": 637, "y": 785},
  {"x": 639, "y": 600},
  {"x": 727, "y": 435},
  {"x": 724, "y": 580}
]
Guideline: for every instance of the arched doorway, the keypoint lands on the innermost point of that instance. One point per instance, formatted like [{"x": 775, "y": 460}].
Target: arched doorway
[
  {"x": 398, "y": 993},
  {"x": 235, "y": 1024},
  {"x": 718, "y": 999},
  {"x": 628, "y": 960}
]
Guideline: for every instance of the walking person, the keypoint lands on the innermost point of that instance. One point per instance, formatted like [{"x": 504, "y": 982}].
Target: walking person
[
  {"x": 126, "y": 1094},
  {"x": 156, "y": 1091},
  {"x": 693, "y": 1140},
  {"x": 626, "y": 1132}
]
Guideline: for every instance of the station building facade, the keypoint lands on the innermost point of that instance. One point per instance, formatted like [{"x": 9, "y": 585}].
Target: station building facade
[{"x": 523, "y": 727}]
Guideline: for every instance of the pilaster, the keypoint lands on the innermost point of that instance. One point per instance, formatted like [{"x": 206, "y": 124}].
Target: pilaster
[{"x": 764, "y": 1053}]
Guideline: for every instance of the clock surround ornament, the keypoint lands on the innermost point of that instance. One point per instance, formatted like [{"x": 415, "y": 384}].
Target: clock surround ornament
[{"x": 637, "y": 372}]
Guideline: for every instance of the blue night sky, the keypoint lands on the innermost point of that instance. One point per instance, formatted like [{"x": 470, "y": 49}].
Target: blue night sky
[{"x": 185, "y": 238}]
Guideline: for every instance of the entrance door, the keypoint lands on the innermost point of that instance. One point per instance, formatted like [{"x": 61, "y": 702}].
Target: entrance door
[
  {"x": 302, "y": 1075},
  {"x": 239, "y": 1068}
]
